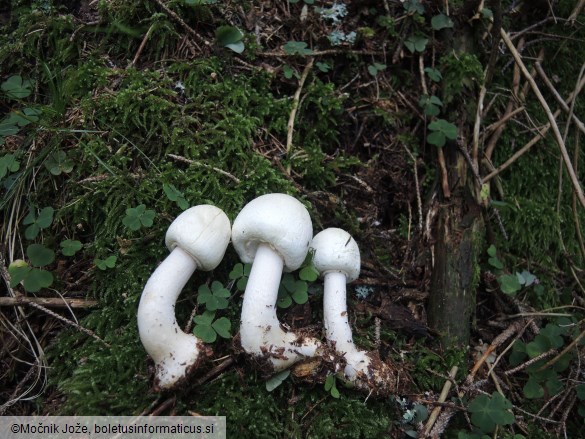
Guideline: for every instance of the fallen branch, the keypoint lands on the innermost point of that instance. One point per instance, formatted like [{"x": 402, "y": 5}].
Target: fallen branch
[
  {"x": 203, "y": 165},
  {"x": 557, "y": 134},
  {"x": 50, "y": 302},
  {"x": 295, "y": 106}
]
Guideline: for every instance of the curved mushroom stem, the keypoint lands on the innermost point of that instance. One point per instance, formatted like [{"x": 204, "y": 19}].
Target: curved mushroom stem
[
  {"x": 364, "y": 369},
  {"x": 260, "y": 330},
  {"x": 173, "y": 351},
  {"x": 337, "y": 327}
]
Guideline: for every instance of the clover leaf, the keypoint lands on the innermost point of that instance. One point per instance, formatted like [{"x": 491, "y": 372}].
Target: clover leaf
[
  {"x": 441, "y": 21},
  {"x": 58, "y": 163},
  {"x": 17, "y": 88},
  {"x": 69, "y": 247},
  {"x": 416, "y": 43},
  {"x": 240, "y": 274},
  {"x": 137, "y": 217},
  {"x": 215, "y": 297},
  {"x": 441, "y": 131},
  {"x": 36, "y": 223},
  {"x": 488, "y": 412},
  {"x": 104, "y": 264},
  {"x": 207, "y": 330},
  {"x": 8, "y": 164},
  {"x": 297, "y": 48},
  {"x": 33, "y": 279},
  {"x": 175, "y": 195}
]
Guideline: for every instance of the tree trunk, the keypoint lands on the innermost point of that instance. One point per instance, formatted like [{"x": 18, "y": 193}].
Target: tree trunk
[{"x": 456, "y": 271}]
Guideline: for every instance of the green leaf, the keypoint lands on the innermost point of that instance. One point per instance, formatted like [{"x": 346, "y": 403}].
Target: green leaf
[
  {"x": 17, "y": 88},
  {"x": 580, "y": 390},
  {"x": 532, "y": 389},
  {"x": 289, "y": 282},
  {"x": 204, "y": 294},
  {"x": 509, "y": 284},
  {"x": 441, "y": 21},
  {"x": 297, "y": 48},
  {"x": 45, "y": 217},
  {"x": 8, "y": 164},
  {"x": 414, "y": 6},
  {"x": 137, "y": 217},
  {"x": 69, "y": 247},
  {"x": 416, "y": 43},
  {"x": 230, "y": 37},
  {"x": 300, "y": 294},
  {"x": 58, "y": 163},
  {"x": 204, "y": 319},
  {"x": 491, "y": 251},
  {"x": 237, "y": 272},
  {"x": 309, "y": 273},
  {"x": 329, "y": 382},
  {"x": 496, "y": 263},
  {"x": 37, "y": 279},
  {"x": 18, "y": 271},
  {"x": 171, "y": 192},
  {"x": 39, "y": 255},
  {"x": 222, "y": 326},
  {"x": 276, "y": 380},
  {"x": 374, "y": 68},
  {"x": 205, "y": 333},
  {"x": 528, "y": 278},
  {"x": 104, "y": 264},
  {"x": 8, "y": 128},
  {"x": 284, "y": 299},
  {"x": 323, "y": 66},
  {"x": 242, "y": 283},
  {"x": 437, "y": 138},
  {"x": 538, "y": 346},
  {"x": 433, "y": 74},
  {"x": 447, "y": 128},
  {"x": 335, "y": 392},
  {"x": 487, "y": 13},
  {"x": 289, "y": 72}
]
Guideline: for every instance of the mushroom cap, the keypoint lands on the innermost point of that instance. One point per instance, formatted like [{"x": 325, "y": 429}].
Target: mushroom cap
[
  {"x": 278, "y": 220},
  {"x": 202, "y": 231},
  {"x": 336, "y": 251}
]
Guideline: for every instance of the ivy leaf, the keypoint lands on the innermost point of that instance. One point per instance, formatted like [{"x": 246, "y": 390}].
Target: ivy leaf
[
  {"x": 222, "y": 326},
  {"x": 230, "y": 37},
  {"x": 58, "y": 163},
  {"x": 17, "y": 88},
  {"x": 441, "y": 21},
  {"x": 69, "y": 247},
  {"x": 39, "y": 255},
  {"x": 276, "y": 380}
]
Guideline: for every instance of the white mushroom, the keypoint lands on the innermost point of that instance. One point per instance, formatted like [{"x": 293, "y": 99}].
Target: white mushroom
[
  {"x": 273, "y": 231},
  {"x": 197, "y": 239},
  {"x": 337, "y": 259}
]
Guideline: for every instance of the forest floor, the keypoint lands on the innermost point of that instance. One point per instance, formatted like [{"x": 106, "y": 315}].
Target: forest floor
[{"x": 120, "y": 114}]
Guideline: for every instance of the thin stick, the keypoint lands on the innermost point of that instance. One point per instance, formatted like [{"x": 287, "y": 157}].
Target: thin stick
[
  {"x": 141, "y": 47},
  {"x": 551, "y": 118},
  {"x": 558, "y": 97},
  {"x": 179, "y": 20},
  {"x": 51, "y": 302},
  {"x": 442, "y": 397},
  {"x": 476, "y": 127},
  {"x": 418, "y": 197},
  {"x": 444, "y": 174},
  {"x": 203, "y": 165},
  {"x": 295, "y": 106}
]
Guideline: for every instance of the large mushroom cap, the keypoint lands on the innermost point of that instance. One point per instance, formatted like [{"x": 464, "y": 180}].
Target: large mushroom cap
[
  {"x": 202, "y": 231},
  {"x": 278, "y": 220},
  {"x": 336, "y": 251}
]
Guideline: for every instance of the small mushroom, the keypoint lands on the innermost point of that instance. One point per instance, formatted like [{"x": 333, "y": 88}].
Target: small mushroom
[
  {"x": 197, "y": 239},
  {"x": 337, "y": 259},
  {"x": 274, "y": 232}
]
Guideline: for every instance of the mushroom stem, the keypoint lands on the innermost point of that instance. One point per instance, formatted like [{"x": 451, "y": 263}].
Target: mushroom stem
[
  {"x": 337, "y": 325},
  {"x": 260, "y": 329},
  {"x": 157, "y": 325}
]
